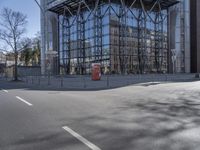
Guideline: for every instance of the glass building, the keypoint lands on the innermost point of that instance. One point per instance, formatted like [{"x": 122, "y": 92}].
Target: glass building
[
  {"x": 179, "y": 37},
  {"x": 124, "y": 36}
]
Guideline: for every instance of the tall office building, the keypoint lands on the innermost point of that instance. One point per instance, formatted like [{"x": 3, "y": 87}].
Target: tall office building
[
  {"x": 124, "y": 36},
  {"x": 179, "y": 37},
  {"x": 195, "y": 36}
]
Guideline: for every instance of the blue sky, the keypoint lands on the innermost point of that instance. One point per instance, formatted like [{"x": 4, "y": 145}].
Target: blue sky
[{"x": 29, "y": 8}]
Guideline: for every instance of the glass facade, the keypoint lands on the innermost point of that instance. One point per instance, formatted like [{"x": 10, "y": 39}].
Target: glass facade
[{"x": 122, "y": 39}]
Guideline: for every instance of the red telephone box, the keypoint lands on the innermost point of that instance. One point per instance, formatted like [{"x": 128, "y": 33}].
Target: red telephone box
[{"x": 96, "y": 71}]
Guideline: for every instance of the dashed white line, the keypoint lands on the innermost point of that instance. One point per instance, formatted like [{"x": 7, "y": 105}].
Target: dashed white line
[
  {"x": 6, "y": 91},
  {"x": 82, "y": 139},
  {"x": 21, "y": 99}
]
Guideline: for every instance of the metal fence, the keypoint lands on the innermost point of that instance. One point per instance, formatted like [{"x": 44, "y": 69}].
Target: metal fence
[{"x": 107, "y": 81}]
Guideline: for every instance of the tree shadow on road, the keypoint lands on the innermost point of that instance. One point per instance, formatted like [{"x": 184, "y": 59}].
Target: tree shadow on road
[{"x": 154, "y": 124}]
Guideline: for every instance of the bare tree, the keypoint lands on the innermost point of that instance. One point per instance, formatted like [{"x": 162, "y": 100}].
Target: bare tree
[
  {"x": 36, "y": 49},
  {"x": 26, "y": 53},
  {"x": 12, "y": 27}
]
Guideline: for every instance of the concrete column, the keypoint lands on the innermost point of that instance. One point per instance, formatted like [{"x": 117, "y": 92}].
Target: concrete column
[
  {"x": 49, "y": 35},
  {"x": 43, "y": 35},
  {"x": 187, "y": 36}
]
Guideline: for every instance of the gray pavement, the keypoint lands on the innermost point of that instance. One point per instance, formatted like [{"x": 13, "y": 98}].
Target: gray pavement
[{"x": 145, "y": 116}]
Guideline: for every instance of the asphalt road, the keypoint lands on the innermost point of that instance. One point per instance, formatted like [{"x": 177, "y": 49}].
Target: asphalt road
[{"x": 150, "y": 116}]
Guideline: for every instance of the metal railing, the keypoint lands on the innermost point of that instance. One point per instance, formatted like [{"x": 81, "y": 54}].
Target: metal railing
[{"x": 77, "y": 82}]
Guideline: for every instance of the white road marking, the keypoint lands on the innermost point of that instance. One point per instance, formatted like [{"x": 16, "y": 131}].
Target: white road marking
[
  {"x": 21, "y": 99},
  {"x": 6, "y": 91},
  {"x": 82, "y": 139}
]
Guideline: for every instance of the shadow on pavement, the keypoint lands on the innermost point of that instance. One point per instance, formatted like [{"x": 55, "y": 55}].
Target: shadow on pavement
[
  {"x": 46, "y": 141},
  {"x": 153, "y": 124}
]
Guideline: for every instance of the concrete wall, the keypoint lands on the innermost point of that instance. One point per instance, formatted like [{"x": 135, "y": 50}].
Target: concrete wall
[
  {"x": 29, "y": 71},
  {"x": 24, "y": 71}
]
